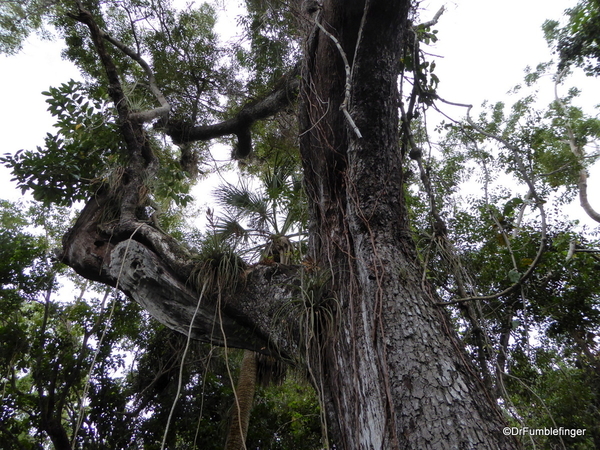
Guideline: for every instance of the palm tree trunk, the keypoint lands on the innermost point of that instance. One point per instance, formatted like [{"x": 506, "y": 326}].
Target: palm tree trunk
[{"x": 240, "y": 413}]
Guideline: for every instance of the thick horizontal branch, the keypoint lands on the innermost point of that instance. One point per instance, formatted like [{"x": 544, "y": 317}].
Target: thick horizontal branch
[
  {"x": 280, "y": 97},
  {"x": 154, "y": 271},
  {"x": 250, "y": 318}
]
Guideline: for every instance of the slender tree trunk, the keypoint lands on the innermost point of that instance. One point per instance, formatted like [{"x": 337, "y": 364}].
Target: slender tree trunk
[
  {"x": 240, "y": 413},
  {"x": 57, "y": 434},
  {"x": 393, "y": 375}
]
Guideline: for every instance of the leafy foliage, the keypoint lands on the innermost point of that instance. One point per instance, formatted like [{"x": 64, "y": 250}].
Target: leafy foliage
[
  {"x": 538, "y": 341},
  {"x": 74, "y": 160},
  {"x": 577, "y": 41},
  {"x": 292, "y": 411},
  {"x": 18, "y": 20},
  {"x": 48, "y": 343},
  {"x": 274, "y": 33}
]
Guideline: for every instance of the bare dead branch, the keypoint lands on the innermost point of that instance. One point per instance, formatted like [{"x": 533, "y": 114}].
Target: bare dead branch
[
  {"x": 344, "y": 105},
  {"x": 433, "y": 21}
]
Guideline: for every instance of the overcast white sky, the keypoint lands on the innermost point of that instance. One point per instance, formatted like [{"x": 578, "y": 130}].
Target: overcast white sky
[{"x": 485, "y": 46}]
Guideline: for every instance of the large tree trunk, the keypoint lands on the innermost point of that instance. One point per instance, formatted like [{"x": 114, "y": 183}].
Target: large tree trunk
[
  {"x": 56, "y": 432},
  {"x": 394, "y": 374}
]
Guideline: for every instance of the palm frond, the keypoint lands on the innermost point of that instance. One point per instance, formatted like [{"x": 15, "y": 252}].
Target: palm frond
[
  {"x": 277, "y": 181},
  {"x": 229, "y": 228},
  {"x": 244, "y": 203}
]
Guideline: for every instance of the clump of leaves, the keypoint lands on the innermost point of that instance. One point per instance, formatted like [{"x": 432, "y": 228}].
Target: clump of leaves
[
  {"x": 72, "y": 161},
  {"x": 19, "y": 19},
  {"x": 314, "y": 307},
  {"x": 577, "y": 41},
  {"x": 218, "y": 266},
  {"x": 293, "y": 410}
]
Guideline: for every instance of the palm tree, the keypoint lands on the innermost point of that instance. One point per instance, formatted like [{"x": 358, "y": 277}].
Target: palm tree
[{"x": 266, "y": 221}]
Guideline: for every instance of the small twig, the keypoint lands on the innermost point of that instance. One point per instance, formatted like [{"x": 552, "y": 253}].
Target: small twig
[
  {"x": 560, "y": 169},
  {"x": 132, "y": 25},
  {"x": 571, "y": 251},
  {"x": 433, "y": 21},
  {"x": 344, "y": 105},
  {"x": 519, "y": 221}
]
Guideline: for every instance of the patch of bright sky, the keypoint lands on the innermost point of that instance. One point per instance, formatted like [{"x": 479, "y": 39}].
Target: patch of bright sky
[
  {"x": 483, "y": 49},
  {"x": 23, "y": 117}
]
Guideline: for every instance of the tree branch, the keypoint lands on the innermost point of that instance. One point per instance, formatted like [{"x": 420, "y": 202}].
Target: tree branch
[
  {"x": 155, "y": 271},
  {"x": 165, "y": 107},
  {"x": 115, "y": 89},
  {"x": 579, "y": 154},
  {"x": 98, "y": 35},
  {"x": 251, "y": 317},
  {"x": 538, "y": 201},
  {"x": 284, "y": 93},
  {"x": 433, "y": 21}
]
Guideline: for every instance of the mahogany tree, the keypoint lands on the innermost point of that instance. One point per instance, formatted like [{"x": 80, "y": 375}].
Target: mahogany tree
[{"x": 371, "y": 335}]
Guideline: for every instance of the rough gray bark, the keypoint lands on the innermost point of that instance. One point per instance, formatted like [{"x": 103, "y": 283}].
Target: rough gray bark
[
  {"x": 388, "y": 367},
  {"x": 395, "y": 375},
  {"x": 245, "y": 314}
]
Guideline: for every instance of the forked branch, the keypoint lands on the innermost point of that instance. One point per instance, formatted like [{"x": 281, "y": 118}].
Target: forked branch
[
  {"x": 98, "y": 36},
  {"x": 165, "y": 107}
]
